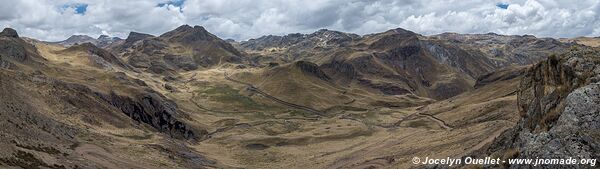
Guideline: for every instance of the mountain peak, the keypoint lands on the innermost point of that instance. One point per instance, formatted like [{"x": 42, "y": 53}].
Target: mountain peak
[
  {"x": 79, "y": 37},
  {"x": 188, "y": 28},
  {"x": 401, "y": 31},
  {"x": 184, "y": 27},
  {"x": 9, "y": 32},
  {"x": 103, "y": 37},
  {"x": 332, "y": 34},
  {"x": 136, "y": 36},
  {"x": 186, "y": 34}
]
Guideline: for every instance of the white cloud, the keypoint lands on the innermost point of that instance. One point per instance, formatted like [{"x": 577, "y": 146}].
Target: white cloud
[{"x": 243, "y": 19}]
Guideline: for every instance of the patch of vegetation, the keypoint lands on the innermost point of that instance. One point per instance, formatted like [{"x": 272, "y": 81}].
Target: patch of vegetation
[{"x": 226, "y": 94}]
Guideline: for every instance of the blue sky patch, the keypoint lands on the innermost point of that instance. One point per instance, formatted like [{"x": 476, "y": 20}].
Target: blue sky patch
[
  {"x": 80, "y": 8},
  {"x": 77, "y": 8},
  {"x": 502, "y": 5},
  {"x": 176, "y": 3}
]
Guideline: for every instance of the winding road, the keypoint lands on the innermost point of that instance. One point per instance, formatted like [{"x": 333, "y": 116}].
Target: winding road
[
  {"x": 440, "y": 122},
  {"x": 257, "y": 90},
  {"x": 420, "y": 113}
]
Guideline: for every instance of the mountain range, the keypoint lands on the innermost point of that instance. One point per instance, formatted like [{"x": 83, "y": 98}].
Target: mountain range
[{"x": 328, "y": 99}]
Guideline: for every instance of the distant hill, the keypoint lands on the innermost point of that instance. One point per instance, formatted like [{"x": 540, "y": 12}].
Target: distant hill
[{"x": 102, "y": 41}]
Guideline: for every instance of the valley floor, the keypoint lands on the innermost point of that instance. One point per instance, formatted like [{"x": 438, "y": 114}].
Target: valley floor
[{"x": 249, "y": 129}]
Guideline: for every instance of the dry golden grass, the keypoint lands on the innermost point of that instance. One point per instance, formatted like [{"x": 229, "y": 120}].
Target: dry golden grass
[
  {"x": 250, "y": 131},
  {"x": 587, "y": 41}
]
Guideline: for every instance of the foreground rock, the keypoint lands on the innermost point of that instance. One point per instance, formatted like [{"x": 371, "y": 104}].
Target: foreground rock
[{"x": 558, "y": 101}]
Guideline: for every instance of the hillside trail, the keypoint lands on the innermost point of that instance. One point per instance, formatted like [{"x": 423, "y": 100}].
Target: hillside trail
[{"x": 273, "y": 98}]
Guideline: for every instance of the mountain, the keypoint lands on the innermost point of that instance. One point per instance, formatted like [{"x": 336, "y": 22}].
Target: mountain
[
  {"x": 77, "y": 39},
  {"x": 105, "y": 40},
  {"x": 438, "y": 66},
  {"x": 185, "y": 48},
  {"x": 587, "y": 41},
  {"x": 15, "y": 52},
  {"x": 102, "y": 41},
  {"x": 322, "y": 38},
  {"x": 93, "y": 56},
  {"x": 307, "y": 84},
  {"x": 121, "y": 46},
  {"x": 61, "y": 102},
  {"x": 558, "y": 108},
  {"x": 504, "y": 50},
  {"x": 328, "y": 99}
]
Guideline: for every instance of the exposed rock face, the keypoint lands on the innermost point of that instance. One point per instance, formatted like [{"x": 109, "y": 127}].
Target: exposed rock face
[
  {"x": 558, "y": 101},
  {"x": 9, "y": 32},
  {"x": 124, "y": 45},
  {"x": 399, "y": 61},
  {"x": 14, "y": 49},
  {"x": 154, "y": 110},
  {"x": 311, "y": 69},
  {"x": 102, "y": 41},
  {"x": 542, "y": 91},
  {"x": 575, "y": 133},
  {"x": 135, "y": 36},
  {"x": 500, "y": 75},
  {"x": 271, "y": 41}
]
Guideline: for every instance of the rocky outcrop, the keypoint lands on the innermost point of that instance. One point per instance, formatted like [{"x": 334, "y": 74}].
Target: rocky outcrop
[
  {"x": 575, "y": 132},
  {"x": 124, "y": 45},
  {"x": 14, "y": 49},
  {"x": 558, "y": 100},
  {"x": 135, "y": 36},
  {"x": 312, "y": 70},
  {"x": 9, "y": 32},
  {"x": 500, "y": 75},
  {"x": 11, "y": 47},
  {"x": 544, "y": 87},
  {"x": 154, "y": 110}
]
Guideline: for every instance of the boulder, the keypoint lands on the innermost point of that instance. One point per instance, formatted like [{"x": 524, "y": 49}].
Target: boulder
[{"x": 9, "y": 32}]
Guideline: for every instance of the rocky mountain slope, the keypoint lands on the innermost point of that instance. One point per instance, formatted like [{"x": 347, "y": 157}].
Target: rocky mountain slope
[
  {"x": 102, "y": 41},
  {"x": 558, "y": 104},
  {"x": 188, "y": 99},
  {"x": 57, "y": 115},
  {"x": 399, "y": 61},
  {"x": 185, "y": 48},
  {"x": 587, "y": 41},
  {"x": 15, "y": 52}
]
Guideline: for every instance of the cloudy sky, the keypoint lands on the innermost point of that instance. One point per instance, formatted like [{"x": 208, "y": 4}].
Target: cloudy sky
[{"x": 54, "y": 20}]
